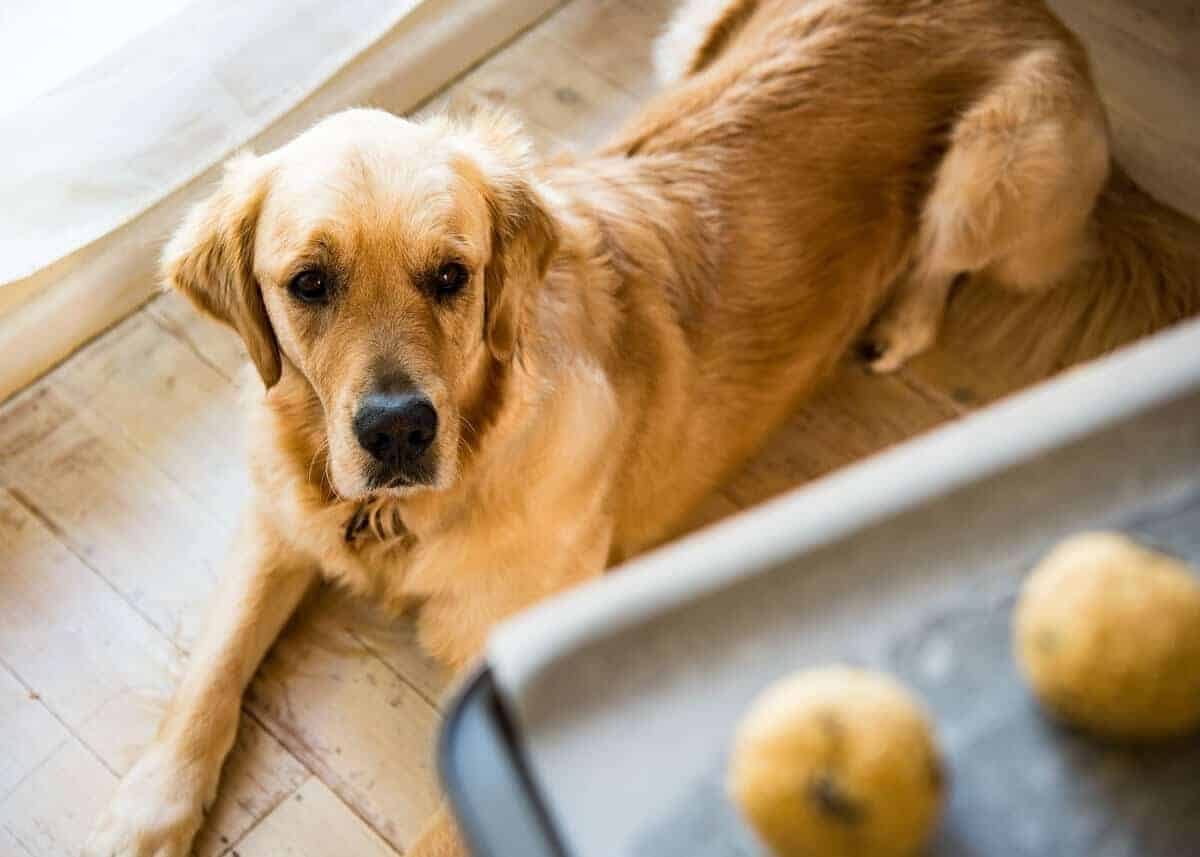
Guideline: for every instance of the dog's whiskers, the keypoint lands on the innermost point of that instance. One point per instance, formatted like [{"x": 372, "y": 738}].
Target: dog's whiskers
[{"x": 322, "y": 447}]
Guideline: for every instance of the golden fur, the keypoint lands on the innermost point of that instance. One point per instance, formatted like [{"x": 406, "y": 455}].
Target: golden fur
[{"x": 634, "y": 324}]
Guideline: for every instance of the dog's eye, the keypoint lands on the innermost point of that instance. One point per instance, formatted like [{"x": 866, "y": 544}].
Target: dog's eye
[
  {"x": 310, "y": 285},
  {"x": 450, "y": 278}
]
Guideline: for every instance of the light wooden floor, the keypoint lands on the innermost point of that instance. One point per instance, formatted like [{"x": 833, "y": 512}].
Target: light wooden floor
[{"x": 120, "y": 477}]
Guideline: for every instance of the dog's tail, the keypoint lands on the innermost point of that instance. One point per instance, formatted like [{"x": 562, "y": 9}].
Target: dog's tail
[{"x": 1143, "y": 275}]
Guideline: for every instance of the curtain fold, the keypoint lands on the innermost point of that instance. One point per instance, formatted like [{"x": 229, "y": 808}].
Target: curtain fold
[{"x": 92, "y": 154}]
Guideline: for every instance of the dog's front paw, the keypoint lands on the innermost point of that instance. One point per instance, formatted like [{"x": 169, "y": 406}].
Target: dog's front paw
[{"x": 155, "y": 812}]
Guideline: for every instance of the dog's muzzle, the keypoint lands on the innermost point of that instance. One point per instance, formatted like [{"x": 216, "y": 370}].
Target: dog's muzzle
[{"x": 397, "y": 429}]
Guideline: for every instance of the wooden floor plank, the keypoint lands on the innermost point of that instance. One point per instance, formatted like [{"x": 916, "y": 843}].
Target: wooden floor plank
[
  {"x": 176, "y": 409},
  {"x": 393, "y": 640},
  {"x": 356, "y": 725},
  {"x": 130, "y": 522},
  {"x": 538, "y": 79},
  {"x": 260, "y": 775},
  {"x": 597, "y": 33},
  {"x": 659, "y": 11},
  {"x": 313, "y": 823},
  {"x": 104, "y": 672},
  {"x": 30, "y": 732},
  {"x": 69, "y": 636},
  {"x": 571, "y": 100},
  {"x": 27, "y": 418},
  {"x": 51, "y": 812},
  {"x": 10, "y": 846},
  {"x": 215, "y": 343},
  {"x": 464, "y": 101},
  {"x": 856, "y": 414}
]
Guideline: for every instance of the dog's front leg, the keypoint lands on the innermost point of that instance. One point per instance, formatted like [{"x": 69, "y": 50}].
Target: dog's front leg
[{"x": 160, "y": 804}]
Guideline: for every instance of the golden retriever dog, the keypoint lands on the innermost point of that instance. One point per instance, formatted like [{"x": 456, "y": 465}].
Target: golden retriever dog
[{"x": 484, "y": 381}]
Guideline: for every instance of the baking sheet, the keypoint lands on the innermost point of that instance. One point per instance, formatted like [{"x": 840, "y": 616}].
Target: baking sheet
[
  {"x": 1021, "y": 784},
  {"x": 624, "y": 696}
]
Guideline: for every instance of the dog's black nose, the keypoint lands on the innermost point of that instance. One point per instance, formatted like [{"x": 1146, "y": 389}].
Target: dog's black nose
[{"x": 396, "y": 428}]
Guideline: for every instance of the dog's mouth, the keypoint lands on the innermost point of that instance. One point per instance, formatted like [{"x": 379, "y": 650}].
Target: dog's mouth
[
  {"x": 362, "y": 467},
  {"x": 400, "y": 483},
  {"x": 364, "y": 481},
  {"x": 396, "y": 428},
  {"x": 410, "y": 476}
]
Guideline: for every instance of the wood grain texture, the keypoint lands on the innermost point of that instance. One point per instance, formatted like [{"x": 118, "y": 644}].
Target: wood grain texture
[
  {"x": 313, "y": 823},
  {"x": 363, "y": 729},
  {"x": 148, "y": 538},
  {"x": 541, "y": 79},
  {"x": 597, "y": 35},
  {"x": 70, "y": 638},
  {"x": 193, "y": 435},
  {"x": 214, "y": 343},
  {"x": 31, "y": 733},
  {"x": 855, "y": 415},
  {"x": 52, "y": 811}
]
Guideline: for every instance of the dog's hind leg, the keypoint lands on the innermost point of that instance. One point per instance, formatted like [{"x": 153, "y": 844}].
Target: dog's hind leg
[{"x": 1011, "y": 199}]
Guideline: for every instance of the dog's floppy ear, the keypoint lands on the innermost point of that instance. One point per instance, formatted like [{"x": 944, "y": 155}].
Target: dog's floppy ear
[
  {"x": 211, "y": 260},
  {"x": 524, "y": 234}
]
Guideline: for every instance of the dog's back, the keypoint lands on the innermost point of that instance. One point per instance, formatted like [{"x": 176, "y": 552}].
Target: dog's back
[
  {"x": 958, "y": 137},
  {"x": 831, "y": 162}
]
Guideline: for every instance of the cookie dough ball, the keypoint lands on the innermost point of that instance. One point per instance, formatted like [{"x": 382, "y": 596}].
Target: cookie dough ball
[
  {"x": 1107, "y": 633},
  {"x": 838, "y": 762}
]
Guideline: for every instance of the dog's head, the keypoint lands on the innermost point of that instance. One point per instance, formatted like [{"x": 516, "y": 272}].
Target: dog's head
[{"x": 386, "y": 263}]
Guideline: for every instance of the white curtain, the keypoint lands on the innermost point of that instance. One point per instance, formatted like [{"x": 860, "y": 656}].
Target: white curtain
[{"x": 171, "y": 87}]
